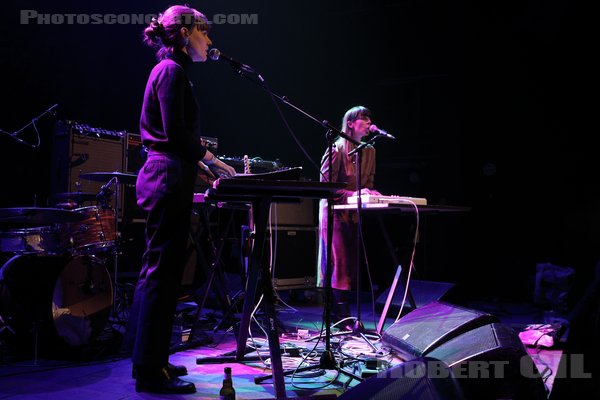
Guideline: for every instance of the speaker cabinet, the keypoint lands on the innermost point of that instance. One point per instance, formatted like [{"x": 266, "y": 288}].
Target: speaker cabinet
[
  {"x": 100, "y": 154},
  {"x": 490, "y": 362},
  {"x": 295, "y": 264},
  {"x": 301, "y": 213},
  {"x": 77, "y": 151},
  {"x": 425, "y": 328},
  {"x": 135, "y": 153},
  {"x": 423, "y": 292},
  {"x": 135, "y": 156},
  {"x": 423, "y": 378}
]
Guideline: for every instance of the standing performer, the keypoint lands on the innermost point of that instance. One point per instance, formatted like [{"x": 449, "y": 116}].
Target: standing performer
[
  {"x": 170, "y": 128},
  {"x": 356, "y": 124}
]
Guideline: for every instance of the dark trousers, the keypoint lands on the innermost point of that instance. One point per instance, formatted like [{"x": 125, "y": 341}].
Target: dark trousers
[{"x": 165, "y": 191}]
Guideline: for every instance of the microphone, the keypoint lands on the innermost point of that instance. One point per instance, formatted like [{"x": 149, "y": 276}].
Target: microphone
[
  {"x": 52, "y": 110},
  {"x": 380, "y": 132},
  {"x": 105, "y": 190},
  {"x": 215, "y": 54},
  {"x": 107, "y": 185}
]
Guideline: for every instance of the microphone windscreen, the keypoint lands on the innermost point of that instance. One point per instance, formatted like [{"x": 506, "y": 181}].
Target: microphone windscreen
[{"x": 214, "y": 54}]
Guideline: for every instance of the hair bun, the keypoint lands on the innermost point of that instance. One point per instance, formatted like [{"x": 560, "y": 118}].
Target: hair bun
[
  {"x": 154, "y": 33},
  {"x": 157, "y": 26}
]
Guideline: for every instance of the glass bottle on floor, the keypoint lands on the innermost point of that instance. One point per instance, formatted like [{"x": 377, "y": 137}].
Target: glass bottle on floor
[{"x": 227, "y": 391}]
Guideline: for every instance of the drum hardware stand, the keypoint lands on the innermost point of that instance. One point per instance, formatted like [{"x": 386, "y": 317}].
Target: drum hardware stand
[
  {"x": 103, "y": 197},
  {"x": 4, "y": 326}
]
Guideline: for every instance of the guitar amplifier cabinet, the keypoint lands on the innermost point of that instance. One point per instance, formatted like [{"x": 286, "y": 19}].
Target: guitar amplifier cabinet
[
  {"x": 135, "y": 156},
  {"x": 135, "y": 153},
  {"x": 78, "y": 149},
  {"x": 295, "y": 264},
  {"x": 298, "y": 213}
]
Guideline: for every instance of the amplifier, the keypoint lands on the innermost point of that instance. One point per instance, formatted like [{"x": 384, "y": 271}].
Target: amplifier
[
  {"x": 93, "y": 154},
  {"x": 300, "y": 213},
  {"x": 135, "y": 153},
  {"x": 295, "y": 265},
  {"x": 79, "y": 149}
]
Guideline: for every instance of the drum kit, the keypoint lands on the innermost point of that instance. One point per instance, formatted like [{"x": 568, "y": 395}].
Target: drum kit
[{"x": 54, "y": 285}]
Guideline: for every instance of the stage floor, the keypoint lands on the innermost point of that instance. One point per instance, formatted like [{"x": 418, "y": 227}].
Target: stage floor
[{"x": 103, "y": 372}]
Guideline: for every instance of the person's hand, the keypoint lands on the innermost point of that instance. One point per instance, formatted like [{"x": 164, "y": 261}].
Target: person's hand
[
  {"x": 222, "y": 170},
  {"x": 206, "y": 170},
  {"x": 367, "y": 191}
]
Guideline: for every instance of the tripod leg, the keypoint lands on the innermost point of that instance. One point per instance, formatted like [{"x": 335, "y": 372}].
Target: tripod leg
[
  {"x": 350, "y": 374},
  {"x": 366, "y": 339},
  {"x": 260, "y": 379},
  {"x": 218, "y": 285},
  {"x": 228, "y": 316}
]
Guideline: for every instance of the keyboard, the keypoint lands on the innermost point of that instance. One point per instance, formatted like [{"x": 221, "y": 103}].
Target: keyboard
[{"x": 387, "y": 199}]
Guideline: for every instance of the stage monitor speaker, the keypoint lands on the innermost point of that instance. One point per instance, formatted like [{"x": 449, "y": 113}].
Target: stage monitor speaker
[
  {"x": 419, "y": 379},
  {"x": 490, "y": 362},
  {"x": 423, "y": 292},
  {"x": 427, "y": 327}
]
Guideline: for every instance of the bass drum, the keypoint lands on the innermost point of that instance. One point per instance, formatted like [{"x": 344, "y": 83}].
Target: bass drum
[{"x": 63, "y": 298}]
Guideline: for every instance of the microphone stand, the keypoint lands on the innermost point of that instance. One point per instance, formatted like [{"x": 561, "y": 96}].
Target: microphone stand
[
  {"x": 327, "y": 359},
  {"x": 103, "y": 198},
  {"x": 359, "y": 327},
  {"x": 14, "y": 135}
]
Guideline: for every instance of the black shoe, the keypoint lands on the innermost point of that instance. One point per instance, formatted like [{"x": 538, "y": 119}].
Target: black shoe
[
  {"x": 174, "y": 370},
  {"x": 162, "y": 382}
]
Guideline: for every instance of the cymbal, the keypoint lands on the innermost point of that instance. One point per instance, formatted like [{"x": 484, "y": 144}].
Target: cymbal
[
  {"x": 36, "y": 216},
  {"x": 127, "y": 179},
  {"x": 79, "y": 196}
]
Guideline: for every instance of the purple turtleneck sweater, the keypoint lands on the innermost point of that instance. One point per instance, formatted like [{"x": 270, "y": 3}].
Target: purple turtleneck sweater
[{"x": 170, "y": 120}]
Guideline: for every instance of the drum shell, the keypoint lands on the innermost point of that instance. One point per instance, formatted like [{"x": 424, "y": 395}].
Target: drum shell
[
  {"x": 93, "y": 235},
  {"x": 65, "y": 301},
  {"x": 40, "y": 240}
]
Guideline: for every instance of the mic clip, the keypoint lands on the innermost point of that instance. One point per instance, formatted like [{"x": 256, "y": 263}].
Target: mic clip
[{"x": 105, "y": 191}]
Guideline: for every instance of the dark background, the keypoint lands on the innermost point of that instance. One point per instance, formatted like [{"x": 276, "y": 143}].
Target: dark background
[{"x": 486, "y": 100}]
